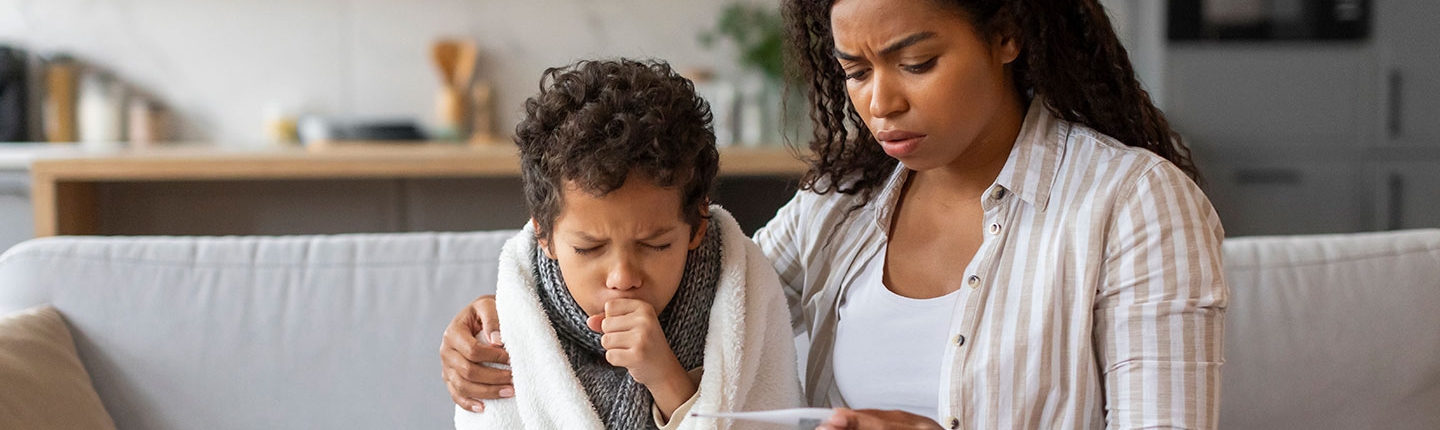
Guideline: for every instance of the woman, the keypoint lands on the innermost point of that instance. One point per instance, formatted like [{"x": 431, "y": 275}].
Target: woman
[{"x": 997, "y": 207}]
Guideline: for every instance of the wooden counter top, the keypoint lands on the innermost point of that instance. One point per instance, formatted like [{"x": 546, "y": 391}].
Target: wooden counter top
[
  {"x": 63, "y": 183},
  {"x": 339, "y": 161}
]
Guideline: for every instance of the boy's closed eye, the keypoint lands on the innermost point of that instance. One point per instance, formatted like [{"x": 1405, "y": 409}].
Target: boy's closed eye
[{"x": 593, "y": 249}]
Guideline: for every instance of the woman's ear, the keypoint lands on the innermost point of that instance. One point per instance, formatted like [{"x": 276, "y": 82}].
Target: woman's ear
[
  {"x": 1005, "y": 40},
  {"x": 542, "y": 241},
  {"x": 1008, "y": 48},
  {"x": 699, "y": 235}
]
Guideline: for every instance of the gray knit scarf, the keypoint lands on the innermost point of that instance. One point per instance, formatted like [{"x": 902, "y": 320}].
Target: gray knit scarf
[{"x": 620, "y": 401}]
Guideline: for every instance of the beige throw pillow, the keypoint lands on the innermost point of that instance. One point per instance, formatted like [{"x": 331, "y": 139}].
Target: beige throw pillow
[{"x": 42, "y": 383}]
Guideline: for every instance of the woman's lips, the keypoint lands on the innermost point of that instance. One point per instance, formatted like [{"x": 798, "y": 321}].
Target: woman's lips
[{"x": 899, "y": 143}]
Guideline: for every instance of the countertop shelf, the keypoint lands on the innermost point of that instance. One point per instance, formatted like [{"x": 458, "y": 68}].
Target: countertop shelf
[
  {"x": 64, "y": 179},
  {"x": 338, "y": 161}
]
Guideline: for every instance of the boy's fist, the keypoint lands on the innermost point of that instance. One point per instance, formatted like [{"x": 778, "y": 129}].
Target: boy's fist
[{"x": 633, "y": 339}]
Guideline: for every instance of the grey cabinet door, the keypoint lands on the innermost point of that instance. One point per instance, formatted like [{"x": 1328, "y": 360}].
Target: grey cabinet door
[
  {"x": 1408, "y": 36},
  {"x": 1408, "y": 195},
  {"x": 16, "y": 216},
  {"x": 1275, "y": 197},
  {"x": 1407, "y": 171},
  {"x": 1266, "y": 96}
]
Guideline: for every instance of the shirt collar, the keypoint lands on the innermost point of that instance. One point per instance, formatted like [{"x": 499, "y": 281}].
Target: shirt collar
[
  {"x": 1034, "y": 162},
  {"x": 887, "y": 196}
]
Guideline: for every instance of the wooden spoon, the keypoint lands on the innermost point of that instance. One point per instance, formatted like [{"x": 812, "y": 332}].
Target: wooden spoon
[
  {"x": 445, "y": 53},
  {"x": 465, "y": 64}
]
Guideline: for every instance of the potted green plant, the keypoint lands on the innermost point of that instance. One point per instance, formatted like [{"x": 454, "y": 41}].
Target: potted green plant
[{"x": 755, "y": 31}]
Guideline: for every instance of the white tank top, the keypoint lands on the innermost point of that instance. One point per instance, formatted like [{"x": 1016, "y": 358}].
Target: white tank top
[{"x": 889, "y": 349}]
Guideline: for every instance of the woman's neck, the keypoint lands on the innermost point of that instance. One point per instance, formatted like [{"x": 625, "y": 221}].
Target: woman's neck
[{"x": 971, "y": 174}]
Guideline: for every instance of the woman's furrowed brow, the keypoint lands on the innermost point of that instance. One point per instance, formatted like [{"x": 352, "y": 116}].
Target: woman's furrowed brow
[{"x": 906, "y": 42}]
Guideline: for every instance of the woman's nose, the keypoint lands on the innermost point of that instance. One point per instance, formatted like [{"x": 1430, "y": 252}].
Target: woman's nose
[
  {"x": 623, "y": 275},
  {"x": 886, "y": 97}
]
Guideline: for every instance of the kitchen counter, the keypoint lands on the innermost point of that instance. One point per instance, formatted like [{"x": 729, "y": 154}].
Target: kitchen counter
[
  {"x": 65, "y": 179},
  {"x": 338, "y": 160},
  {"x": 18, "y": 156}
]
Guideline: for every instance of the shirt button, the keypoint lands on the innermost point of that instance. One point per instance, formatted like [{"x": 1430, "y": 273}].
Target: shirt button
[
  {"x": 998, "y": 193},
  {"x": 959, "y": 340},
  {"x": 953, "y": 422},
  {"x": 972, "y": 281},
  {"x": 995, "y": 228}
]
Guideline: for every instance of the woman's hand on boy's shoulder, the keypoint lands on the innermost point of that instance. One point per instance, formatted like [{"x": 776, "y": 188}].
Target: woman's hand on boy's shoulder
[{"x": 463, "y": 354}]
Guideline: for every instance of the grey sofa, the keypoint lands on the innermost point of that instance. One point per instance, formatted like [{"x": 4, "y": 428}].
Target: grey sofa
[{"x": 341, "y": 332}]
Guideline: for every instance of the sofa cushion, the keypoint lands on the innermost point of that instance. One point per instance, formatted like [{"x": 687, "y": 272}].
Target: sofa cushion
[
  {"x": 1333, "y": 331},
  {"x": 42, "y": 383},
  {"x": 239, "y": 333}
]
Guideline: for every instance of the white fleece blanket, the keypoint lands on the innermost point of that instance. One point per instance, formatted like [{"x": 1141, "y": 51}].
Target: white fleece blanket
[{"x": 749, "y": 352}]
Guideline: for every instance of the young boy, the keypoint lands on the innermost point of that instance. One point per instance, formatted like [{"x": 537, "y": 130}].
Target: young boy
[{"x": 628, "y": 300}]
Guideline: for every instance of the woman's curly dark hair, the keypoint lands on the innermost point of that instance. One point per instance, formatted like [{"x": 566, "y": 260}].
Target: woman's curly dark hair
[
  {"x": 596, "y": 122},
  {"x": 1069, "y": 54}
]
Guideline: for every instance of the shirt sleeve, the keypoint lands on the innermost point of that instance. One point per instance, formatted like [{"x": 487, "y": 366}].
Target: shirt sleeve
[
  {"x": 1160, "y": 307},
  {"x": 680, "y": 411},
  {"x": 780, "y": 241}
]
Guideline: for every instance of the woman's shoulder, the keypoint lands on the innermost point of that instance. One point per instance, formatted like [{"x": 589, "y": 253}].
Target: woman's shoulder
[
  {"x": 1113, "y": 159},
  {"x": 1093, "y": 146},
  {"x": 1098, "y": 172}
]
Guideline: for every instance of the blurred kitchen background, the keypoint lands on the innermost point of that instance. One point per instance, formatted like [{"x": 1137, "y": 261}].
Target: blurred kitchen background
[{"x": 1306, "y": 116}]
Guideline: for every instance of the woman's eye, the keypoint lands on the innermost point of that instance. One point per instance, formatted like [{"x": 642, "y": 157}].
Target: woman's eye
[
  {"x": 920, "y": 68},
  {"x": 658, "y": 247},
  {"x": 586, "y": 251},
  {"x": 857, "y": 75}
]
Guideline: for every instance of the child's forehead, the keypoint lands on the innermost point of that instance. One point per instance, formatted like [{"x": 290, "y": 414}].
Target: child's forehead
[{"x": 634, "y": 209}]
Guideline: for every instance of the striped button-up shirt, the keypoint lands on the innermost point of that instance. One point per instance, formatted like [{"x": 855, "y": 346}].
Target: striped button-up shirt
[{"x": 1097, "y": 295}]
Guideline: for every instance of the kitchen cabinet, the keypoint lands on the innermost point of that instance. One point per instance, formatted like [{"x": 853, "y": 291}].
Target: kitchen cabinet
[
  {"x": 347, "y": 188},
  {"x": 1268, "y": 194},
  {"x": 1280, "y": 130},
  {"x": 1258, "y": 95},
  {"x": 1407, "y": 47},
  {"x": 1406, "y": 180},
  {"x": 1317, "y": 136},
  {"x": 1409, "y": 195},
  {"x": 16, "y": 223}
]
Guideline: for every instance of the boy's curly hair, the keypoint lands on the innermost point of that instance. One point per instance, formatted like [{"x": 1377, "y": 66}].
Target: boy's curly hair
[{"x": 596, "y": 122}]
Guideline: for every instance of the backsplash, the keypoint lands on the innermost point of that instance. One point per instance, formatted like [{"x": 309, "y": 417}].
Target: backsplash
[{"x": 217, "y": 64}]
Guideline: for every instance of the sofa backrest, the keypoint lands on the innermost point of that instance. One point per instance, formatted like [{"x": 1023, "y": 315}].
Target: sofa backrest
[
  {"x": 1333, "y": 332},
  {"x": 342, "y": 332},
  {"x": 319, "y": 332}
]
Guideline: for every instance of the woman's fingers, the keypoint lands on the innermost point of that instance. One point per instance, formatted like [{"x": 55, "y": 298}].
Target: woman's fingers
[
  {"x": 874, "y": 419},
  {"x": 475, "y": 372},
  {"x": 843, "y": 419},
  {"x": 470, "y": 384},
  {"x": 468, "y": 394},
  {"x": 459, "y": 335},
  {"x": 461, "y": 355},
  {"x": 487, "y": 320},
  {"x": 468, "y": 404}
]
